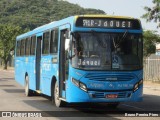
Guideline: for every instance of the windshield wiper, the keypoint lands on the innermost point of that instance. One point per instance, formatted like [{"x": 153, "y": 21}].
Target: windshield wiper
[{"x": 120, "y": 40}]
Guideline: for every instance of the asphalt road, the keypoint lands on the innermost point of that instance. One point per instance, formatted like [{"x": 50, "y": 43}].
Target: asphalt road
[{"x": 14, "y": 101}]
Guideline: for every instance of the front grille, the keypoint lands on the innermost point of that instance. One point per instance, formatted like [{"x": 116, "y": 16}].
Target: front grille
[
  {"x": 122, "y": 95},
  {"x": 99, "y": 95},
  {"x": 109, "y": 77}
]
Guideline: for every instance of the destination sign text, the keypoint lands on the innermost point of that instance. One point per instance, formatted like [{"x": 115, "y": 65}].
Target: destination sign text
[{"x": 110, "y": 23}]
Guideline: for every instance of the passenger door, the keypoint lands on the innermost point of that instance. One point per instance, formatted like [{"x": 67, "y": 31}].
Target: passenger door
[
  {"x": 38, "y": 61},
  {"x": 63, "y": 61}
]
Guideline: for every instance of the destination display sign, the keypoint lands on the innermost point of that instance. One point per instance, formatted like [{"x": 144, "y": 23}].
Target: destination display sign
[
  {"x": 108, "y": 23},
  {"x": 89, "y": 62}
]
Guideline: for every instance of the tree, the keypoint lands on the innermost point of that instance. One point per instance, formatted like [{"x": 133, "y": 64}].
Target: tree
[
  {"x": 150, "y": 39},
  {"x": 34, "y": 13},
  {"x": 8, "y": 33},
  {"x": 153, "y": 13}
]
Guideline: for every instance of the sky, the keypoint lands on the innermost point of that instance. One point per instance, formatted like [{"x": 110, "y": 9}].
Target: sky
[{"x": 131, "y": 8}]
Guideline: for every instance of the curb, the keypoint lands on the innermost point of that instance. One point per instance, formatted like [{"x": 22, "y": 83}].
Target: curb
[
  {"x": 7, "y": 70},
  {"x": 152, "y": 88}
]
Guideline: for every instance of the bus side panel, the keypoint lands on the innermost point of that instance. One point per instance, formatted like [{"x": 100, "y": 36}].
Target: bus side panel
[
  {"x": 48, "y": 70},
  {"x": 20, "y": 70},
  {"x": 17, "y": 70},
  {"x": 31, "y": 73},
  {"x": 23, "y": 66}
]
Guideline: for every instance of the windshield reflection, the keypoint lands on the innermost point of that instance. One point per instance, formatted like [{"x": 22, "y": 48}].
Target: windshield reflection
[{"x": 105, "y": 51}]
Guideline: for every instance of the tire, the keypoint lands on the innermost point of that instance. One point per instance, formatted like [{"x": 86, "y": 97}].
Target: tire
[
  {"x": 28, "y": 92},
  {"x": 57, "y": 101}
]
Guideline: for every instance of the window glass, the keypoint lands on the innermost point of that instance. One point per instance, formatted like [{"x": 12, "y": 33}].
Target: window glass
[
  {"x": 54, "y": 41},
  {"x": 22, "y": 47},
  {"x": 28, "y": 46},
  {"x": 46, "y": 37},
  {"x": 33, "y": 44},
  {"x": 18, "y": 48},
  {"x": 107, "y": 51}
]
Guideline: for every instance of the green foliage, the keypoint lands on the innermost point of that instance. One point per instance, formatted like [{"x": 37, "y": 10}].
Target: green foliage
[
  {"x": 150, "y": 39},
  {"x": 8, "y": 33},
  {"x": 33, "y": 13},
  {"x": 153, "y": 13}
]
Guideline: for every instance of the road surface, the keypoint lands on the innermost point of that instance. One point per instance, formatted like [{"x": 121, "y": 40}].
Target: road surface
[{"x": 14, "y": 101}]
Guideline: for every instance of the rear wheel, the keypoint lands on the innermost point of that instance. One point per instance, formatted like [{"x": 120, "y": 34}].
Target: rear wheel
[
  {"x": 58, "y": 102},
  {"x": 28, "y": 92}
]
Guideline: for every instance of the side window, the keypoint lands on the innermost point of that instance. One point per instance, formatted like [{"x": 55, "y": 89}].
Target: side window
[
  {"x": 18, "y": 48},
  {"x": 33, "y": 45},
  {"x": 45, "y": 49},
  {"x": 22, "y": 47},
  {"x": 28, "y": 46},
  {"x": 54, "y": 41}
]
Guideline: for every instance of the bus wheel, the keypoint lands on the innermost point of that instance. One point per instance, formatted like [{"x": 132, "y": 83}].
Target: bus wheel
[
  {"x": 28, "y": 92},
  {"x": 58, "y": 102}
]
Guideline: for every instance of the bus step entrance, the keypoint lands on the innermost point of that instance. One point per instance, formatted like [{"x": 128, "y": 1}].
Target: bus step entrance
[
  {"x": 38, "y": 91},
  {"x": 62, "y": 99}
]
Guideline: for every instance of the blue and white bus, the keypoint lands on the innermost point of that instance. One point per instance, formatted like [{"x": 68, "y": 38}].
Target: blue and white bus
[{"x": 85, "y": 58}]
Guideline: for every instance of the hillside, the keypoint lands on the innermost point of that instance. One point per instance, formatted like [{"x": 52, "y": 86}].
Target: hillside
[{"x": 34, "y": 13}]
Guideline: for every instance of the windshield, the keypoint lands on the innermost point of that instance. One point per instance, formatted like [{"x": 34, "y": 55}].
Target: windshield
[{"x": 107, "y": 51}]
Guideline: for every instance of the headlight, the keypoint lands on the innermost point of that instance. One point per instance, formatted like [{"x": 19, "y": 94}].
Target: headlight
[
  {"x": 76, "y": 82},
  {"x": 136, "y": 86},
  {"x": 79, "y": 84},
  {"x": 83, "y": 86},
  {"x": 140, "y": 82}
]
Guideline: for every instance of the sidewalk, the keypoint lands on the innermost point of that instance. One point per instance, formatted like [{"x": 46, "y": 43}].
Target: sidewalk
[
  {"x": 151, "y": 85},
  {"x": 9, "y": 69}
]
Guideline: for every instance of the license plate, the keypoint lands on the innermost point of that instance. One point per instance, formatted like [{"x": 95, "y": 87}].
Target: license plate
[{"x": 111, "y": 96}]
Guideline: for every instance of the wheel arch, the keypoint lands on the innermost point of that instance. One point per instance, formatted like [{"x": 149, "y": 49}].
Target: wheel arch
[
  {"x": 53, "y": 82},
  {"x": 26, "y": 74}
]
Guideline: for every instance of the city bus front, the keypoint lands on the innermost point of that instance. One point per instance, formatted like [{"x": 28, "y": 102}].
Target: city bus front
[{"x": 106, "y": 61}]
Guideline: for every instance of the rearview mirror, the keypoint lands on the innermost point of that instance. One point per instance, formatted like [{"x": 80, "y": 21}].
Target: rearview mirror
[{"x": 67, "y": 44}]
